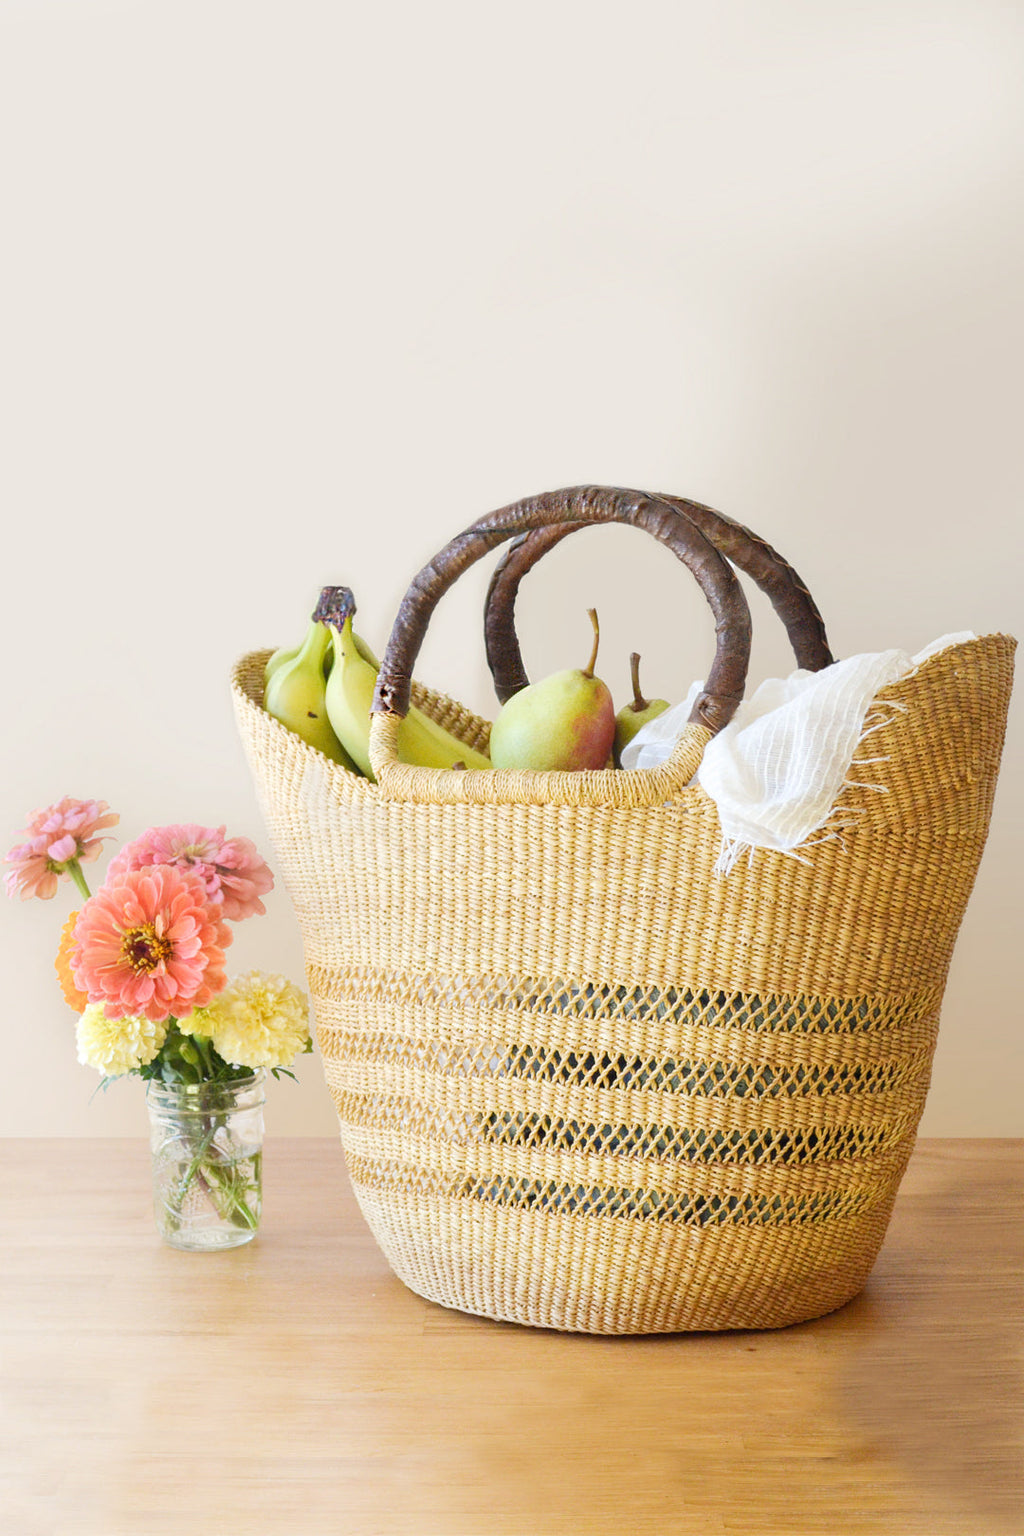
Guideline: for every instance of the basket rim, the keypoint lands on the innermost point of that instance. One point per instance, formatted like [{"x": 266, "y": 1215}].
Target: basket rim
[{"x": 536, "y": 786}]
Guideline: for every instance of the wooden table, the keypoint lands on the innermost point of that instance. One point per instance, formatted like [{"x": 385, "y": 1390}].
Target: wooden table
[{"x": 295, "y": 1386}]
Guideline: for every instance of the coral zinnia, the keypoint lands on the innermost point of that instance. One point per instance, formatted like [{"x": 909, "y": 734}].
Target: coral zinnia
[
  {"x": 231, "y": 869},
  {"x": 61, "y": 837},
  {"x": 150, "y": 943}
]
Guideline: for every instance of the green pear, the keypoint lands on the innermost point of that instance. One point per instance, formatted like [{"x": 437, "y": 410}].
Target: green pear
[
  {"x": 636, "y": 714},
  {"x": 564, "y": 722}
]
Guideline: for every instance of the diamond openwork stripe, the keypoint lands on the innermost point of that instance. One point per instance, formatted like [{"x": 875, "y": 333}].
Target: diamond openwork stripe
[
  {"x": 598, "y": 1001},
  {"x": 655, "y": 1142},
  {"x": 647, "y": 1205},
  {"x": 602, "y": 1069}
]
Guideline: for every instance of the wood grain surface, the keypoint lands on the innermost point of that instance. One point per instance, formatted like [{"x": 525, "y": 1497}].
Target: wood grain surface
[{"x": 295, "y": 1386}]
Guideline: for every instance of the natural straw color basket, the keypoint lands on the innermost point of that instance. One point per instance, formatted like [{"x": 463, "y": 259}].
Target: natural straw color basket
[{"x": 584, "y": 1082}]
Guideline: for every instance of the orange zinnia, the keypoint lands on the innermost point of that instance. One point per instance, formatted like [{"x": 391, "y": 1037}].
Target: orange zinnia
[{"x": 72, "y": 996}]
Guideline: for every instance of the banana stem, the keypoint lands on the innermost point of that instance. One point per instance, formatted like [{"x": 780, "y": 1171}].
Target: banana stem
[
  {"x": 335, "y": 605},
  {"x": 588, "y": 670}
]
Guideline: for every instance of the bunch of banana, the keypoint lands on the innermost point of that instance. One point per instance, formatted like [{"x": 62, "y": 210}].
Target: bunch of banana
[
  {"x": 349, "y": 695},
  {"x": 289, "y": 652},
  {"x": 295, "y": 683}
]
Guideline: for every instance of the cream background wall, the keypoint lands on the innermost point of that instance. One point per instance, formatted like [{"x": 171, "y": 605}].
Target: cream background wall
[{"x": 291, "y": 292}]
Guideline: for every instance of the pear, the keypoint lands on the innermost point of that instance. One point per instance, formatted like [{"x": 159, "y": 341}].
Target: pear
[
  {"x": 636, "y": 714},
  {"x": 564, "y": 722}
]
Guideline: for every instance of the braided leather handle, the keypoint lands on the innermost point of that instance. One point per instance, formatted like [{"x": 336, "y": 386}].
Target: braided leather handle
[
  {"x": 572, "y": 507},
  {"x": 750, "y": 553}
]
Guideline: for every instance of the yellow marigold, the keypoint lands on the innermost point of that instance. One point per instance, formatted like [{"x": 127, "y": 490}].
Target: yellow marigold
[
  {"x": 257, "y": 1021},
  {"x": 116, "y": 1046},
  {"x": 73, "y": 996}
]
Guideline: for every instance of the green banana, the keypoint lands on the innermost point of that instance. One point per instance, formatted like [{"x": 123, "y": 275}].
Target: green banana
[
  {"x": 281, "y": 655},
  {"x": 363, "y": 649},
  {"x": 349, "y": 696},
  {"x": 295, "y": 695}
]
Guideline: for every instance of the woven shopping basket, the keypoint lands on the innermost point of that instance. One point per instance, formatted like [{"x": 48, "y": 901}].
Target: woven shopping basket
[{"x": 583, "y": 1081}]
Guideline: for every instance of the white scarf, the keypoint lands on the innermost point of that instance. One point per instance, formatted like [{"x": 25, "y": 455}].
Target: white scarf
[{"x": 778, "y": 767}]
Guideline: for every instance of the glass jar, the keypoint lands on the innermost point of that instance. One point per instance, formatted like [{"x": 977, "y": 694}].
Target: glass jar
[{"x": 206, "y": 1141}]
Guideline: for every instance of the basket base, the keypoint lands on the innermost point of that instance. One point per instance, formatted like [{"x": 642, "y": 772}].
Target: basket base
[
  {"x": 601, "y": 1275},
  {"x": 625, "y": 1332}
]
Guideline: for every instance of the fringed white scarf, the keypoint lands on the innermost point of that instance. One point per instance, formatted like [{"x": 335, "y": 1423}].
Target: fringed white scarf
[{"x": 777, "y": 769}]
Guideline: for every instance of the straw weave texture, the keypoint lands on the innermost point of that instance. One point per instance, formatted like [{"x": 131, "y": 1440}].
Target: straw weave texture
[{"x": 585, "y": 1083}]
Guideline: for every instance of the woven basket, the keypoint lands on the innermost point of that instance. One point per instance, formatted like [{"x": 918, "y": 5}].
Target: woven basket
[{"x": 584, "y": 1082}]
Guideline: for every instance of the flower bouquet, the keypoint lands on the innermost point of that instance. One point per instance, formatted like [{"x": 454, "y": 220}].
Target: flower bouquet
[{"x": 142, "y": 964}]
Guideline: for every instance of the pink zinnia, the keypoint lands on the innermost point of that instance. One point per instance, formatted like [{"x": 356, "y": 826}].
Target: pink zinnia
[
  {"x": 61, "y": 835},
  {"x": 231, "y": 869},
  {"x": 150, "y": 943}
]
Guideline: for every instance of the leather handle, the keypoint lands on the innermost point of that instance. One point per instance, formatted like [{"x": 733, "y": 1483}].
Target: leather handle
[
  {"x": 746, "y": 550},
  {"x": 569, "y": 508}
]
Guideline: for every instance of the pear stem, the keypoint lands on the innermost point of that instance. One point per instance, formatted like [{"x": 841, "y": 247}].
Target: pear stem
[
  {"x": 639, "y": 702},
  {"x": 588, "y": 670}
]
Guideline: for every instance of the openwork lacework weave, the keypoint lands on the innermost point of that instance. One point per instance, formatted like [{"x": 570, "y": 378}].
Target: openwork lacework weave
[
  {"x": 628, "y": 1004},
  {"x": 583, "y": 1081},
  {"x": 601, "y": 1200}
]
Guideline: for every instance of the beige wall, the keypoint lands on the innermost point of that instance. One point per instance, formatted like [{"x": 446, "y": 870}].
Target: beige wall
[{"x": 292, "y": 292}]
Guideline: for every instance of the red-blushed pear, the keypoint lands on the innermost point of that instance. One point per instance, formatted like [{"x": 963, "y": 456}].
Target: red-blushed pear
[
  {"x": 564, "y": 722},
  {"x": 636, "y": 713}
]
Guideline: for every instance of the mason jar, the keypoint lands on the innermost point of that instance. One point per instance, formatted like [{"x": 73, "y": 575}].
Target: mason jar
[{"x": 206, "y": 1141}]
